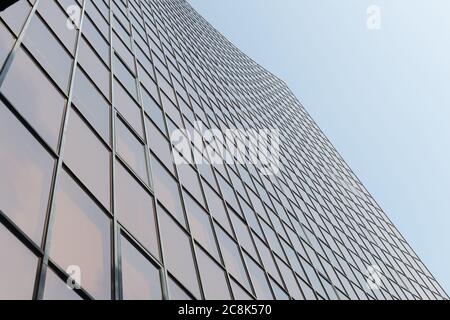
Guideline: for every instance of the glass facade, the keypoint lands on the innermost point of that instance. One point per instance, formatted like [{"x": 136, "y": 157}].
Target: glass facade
[{"x": 90, "y": 195}]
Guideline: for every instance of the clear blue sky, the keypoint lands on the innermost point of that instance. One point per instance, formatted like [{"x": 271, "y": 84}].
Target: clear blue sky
[{"x": 382, "y": 97}]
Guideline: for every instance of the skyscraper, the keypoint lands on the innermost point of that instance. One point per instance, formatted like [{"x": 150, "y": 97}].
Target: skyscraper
[{"x": 99, "y": 201}]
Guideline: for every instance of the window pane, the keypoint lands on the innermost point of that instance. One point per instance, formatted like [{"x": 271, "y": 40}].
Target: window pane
[
  {"x": 131, "y": 150},
  {"x": 238, "y": 292},
  {"x": 232, "y": 256},
  {"x": 243, "y": 235},
  {"x": 166, "y": 189},
  {"x": 140, "y": 278},
  {"x": 17, "y": 269},
  {"x": 213, "y": 278},
  {"x": 56, "y": 18},
  {"x": 31, "y": 93},
  {"x": 125, "y": 76},
  {"x": 88, "y": 158},
  {"x": 81, "y": 237},
  {"x": 94, "y": 67},
  {"x": 95, "y": 39},
  {"x": 57, "y": 289},
  {"x": 189, "y": 179},
  {"x": 92, "y": 104},
  {"x": 200, "y": 226},
  {"x": 178, "y": 253},
  {"x": 154, "y": 111},
  {"x": 259, "y": 280},
  {"x": 175, "y": 292},
  {"x": 159, "y": 145},
  {"x": 16, "y": 15},
  {"x": 25, "y": 176},
  {"x": 48, "y": 51},
  {"x": 217, "y": 208},
  {"x": 127, "y": 108},
  {"x": 6, "y": 44},
  {"x": 135, "y": 209}
]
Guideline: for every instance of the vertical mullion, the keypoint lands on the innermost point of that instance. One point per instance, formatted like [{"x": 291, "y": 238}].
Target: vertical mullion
[
  {"x": 117, "y": 262},
  {"x": 43, "y": 265}
]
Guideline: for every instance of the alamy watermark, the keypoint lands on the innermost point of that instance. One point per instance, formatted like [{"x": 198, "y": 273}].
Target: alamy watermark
[
  {"x": 373, "y": 21},
  {"x": 74, "y": 20},
  {"x": 373, "y": 277},
  {"x": 260, "y": 147},
  {"x": 74, "y": 279}
]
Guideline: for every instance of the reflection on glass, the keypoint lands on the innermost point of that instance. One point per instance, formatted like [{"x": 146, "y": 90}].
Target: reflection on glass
[
  {"x": 140, "y": 278},
  {"x": 135, "y": 210},
  {"x": 32, "y": 94},
  {"x": 17, "y": 268},
  {"x": 25, "y": 176},
  {"x": 81, "y": 237}
]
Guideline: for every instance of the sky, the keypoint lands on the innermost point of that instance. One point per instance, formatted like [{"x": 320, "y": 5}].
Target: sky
[{"x": 382, "y": 96}]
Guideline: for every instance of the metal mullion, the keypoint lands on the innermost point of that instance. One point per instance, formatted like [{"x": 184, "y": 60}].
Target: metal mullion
[
  {"x": 176, "y": 175},
  {"x": 223, "y": 201},
  {"x": 116, "y": 273},
  {"x": 43, "y": 265},
  {"x": 163, "y": 270}
]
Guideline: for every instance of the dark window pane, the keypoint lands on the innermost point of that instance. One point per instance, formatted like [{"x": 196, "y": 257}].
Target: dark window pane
[
  {"x": 140, "y": 278},
  {"x": 17, "y": 268},
  {"x": 35, "y": 97},
  {"x": 88, "y": 158},
  {"x": 92, "y": 104},
  {"x": 135, "y": 209},
  {"x": 81, "y": 237},
  {"x": 131, "y": 150},
  {"x": 25, "y": 176},
  {"x": 166, "y": 189},
  {"x": 178, "y": 253},
  {"x": 213, "y": 278},
  {"x": 48, "y": 51},
  {"x": 57, "y": 289}
]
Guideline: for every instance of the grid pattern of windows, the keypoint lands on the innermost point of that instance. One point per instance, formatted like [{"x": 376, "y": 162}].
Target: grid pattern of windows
[{"x": 87, "y": 176}]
